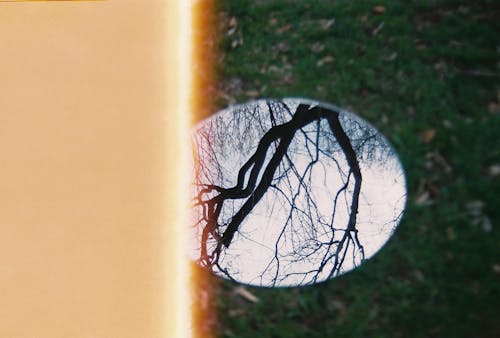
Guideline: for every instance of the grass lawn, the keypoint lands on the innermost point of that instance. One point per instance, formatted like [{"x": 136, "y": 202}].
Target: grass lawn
[{"x": 426, "y": 74}]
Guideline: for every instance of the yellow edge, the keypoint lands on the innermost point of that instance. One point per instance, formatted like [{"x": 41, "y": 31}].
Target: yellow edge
[{"x": 184, "y": 42}]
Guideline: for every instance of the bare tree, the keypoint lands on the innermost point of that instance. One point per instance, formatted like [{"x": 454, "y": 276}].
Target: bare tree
[{"x": 298, "y": 160}]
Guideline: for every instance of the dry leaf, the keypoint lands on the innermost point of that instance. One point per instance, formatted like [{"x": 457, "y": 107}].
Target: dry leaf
[
  {"x": 384, "y": 119},
  {"x": 326, "y": 24},
  {"x": 317, "y": 47},
  {"x": 252, "y": 93},
  {"x": 236, "y": 312},
  {"x": 339, "y": 306},
  {"x": 476, "y": 204},
  {"x": 447, "y": 124},
  {"x": 377, "y": 29},
  {"x": 420, "y": 44},
  {"x": 494, "y": 170},
  {"x": 283, "y": 29},
  {"x": 232, "y": 26},
  {"x": 282, "y": 47},
  {"x": 274, "y": 69},
  {"x": 435, "y": 161},
  {"x": 440, "y": 66},
  {"x": 428, "y": 135},
  {"x": 378, "y": 10},
  {"x": 475, "y": 207},
  {"x": 419, "y": 276},
  {"x": 326, "y": 59},
  {"x": 486, "y": 224},
  {"x": 455, "y": 43},
  {"x": 233, "y": 22},
  {"x": 423, "y": 199},
  {"x": 228, "y": 98},
  {"x": 237, "y": 42},
  {"x": 494, "y": 107},
  {"x": 391, "y": 57},
  {"x": 273, "y": 21},
  {"x": 245, "y": 294},
  {"x": 288, "y": 79}
]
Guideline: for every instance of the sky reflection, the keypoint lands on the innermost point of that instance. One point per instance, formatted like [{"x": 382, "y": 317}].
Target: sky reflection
[{"x": 291, "y": 192}]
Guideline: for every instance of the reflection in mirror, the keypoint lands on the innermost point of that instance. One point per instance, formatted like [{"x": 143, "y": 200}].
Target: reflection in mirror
[{"x": 291, "y": 192}]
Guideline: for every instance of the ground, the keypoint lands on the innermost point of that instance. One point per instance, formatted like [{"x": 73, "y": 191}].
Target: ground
[{"x": 426, "y": 74}]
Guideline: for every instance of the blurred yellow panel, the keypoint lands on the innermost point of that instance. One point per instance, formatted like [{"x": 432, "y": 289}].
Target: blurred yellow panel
[{"x": 89, "y": 149}]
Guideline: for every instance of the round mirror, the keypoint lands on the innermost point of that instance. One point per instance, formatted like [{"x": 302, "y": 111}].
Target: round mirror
[{"x": 291, "y": 192}]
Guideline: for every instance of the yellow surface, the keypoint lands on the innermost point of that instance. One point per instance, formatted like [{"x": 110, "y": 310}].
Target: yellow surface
[{"x": 88, "y": 171}]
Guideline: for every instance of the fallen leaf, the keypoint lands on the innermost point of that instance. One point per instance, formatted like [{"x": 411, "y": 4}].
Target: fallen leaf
[
  {"x": 283, "y": 29},
  {"x": 436, "y": 162},
  {"x": 420, "y": 44},
  {"x": 463, "y": 10},
  {"x": 288, "y": 79},
  {"x": 419, "y": 275},
  {"x": 245, "y": 294},
  {"x": 274, "y": 69},
  {"x": 317, "y": 47},
  {"x": 326, "y": 24},
  {"x": 326, "y": 59},
  {"x": 423, "y": 199},
  {"x": 455, "y": 43},
  {"x": 273, "y": 21},
  {"x": 384, "y": 119},
  {"x": 320, "y": 88},
  {"x": 378, "y": 10},
  {"x": 228, "y": 98},
  {"x": 447, "y": 124},
  {"x": 440, "y": 66},
  {"x": 486, "y": 224},
  {"x": 232, "y": 26},
  {"x": 391, "y": 57},
  {"x": 339, "y": 306},
  {"x": 227, "y": 333},
  {"x": 234, "y": 84},
  {"x": 476, "y": 204},
  {"x": 494, "y": 107},
  {"x": 475, "y": 207},
  {"x": 377, "y": 29},
  {"x": 252, "y": 93},
  {"x": 233, "y": 22},
  {"x": 494, "y": 170},
  {"x": 363, "y": 93},
  {"x": 428, "y": 135},
  {"x": 236, "y": 312},
  {"x": 237, "y": 42},
  {"x": 282, "y": 47},
  {"x": 475, "y": 210}
]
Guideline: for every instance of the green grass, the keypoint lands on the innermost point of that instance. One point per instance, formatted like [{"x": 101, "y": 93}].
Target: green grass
[{"x": 420, "y": 65}]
